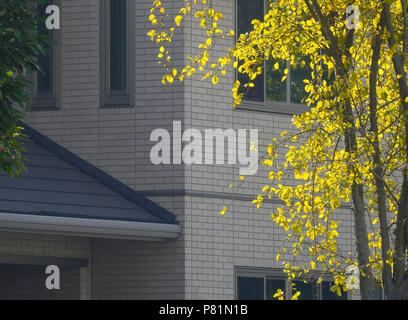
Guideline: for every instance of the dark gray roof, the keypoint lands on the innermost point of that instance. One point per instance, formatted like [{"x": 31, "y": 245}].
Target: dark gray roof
[{"x": 59, "y": 183}]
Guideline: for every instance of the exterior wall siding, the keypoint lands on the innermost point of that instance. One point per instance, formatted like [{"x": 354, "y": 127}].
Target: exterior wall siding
[
  {"x": 117, "y": 140},
  {"x": 200, "y": 264},
  {"x": 244, "y": 236}
]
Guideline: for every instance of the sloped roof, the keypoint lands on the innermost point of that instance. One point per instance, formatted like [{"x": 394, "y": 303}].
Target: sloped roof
[{"x": 58, "y": 183}]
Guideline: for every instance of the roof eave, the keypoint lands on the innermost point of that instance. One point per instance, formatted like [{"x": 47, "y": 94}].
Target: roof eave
[{"x": 94, "y": 228}]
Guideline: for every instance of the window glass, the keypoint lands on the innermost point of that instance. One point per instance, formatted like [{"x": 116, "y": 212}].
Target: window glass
[
  {"x": 45, "y": 61},
  {"x": 297, "y": 75},
  {"x": 259, "y": 288},
  {"x": 275, "y": 88},
  {"x": 249, "y": 288},
  {"x": 307, "y": 290},
  {"x": 327, "y": 294},
  {"x": 269, "y": 86},
  {"x": 118, "y": 45},
  {"x": 272, "y": 285},
  {"x": 246, "y": 12}
]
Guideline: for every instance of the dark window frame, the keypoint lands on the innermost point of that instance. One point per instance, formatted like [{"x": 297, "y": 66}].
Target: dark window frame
[
  {"x": 48, "y": 100},
  {"x": 277, "y": 274},
  {"x": 116, "y": 98}
]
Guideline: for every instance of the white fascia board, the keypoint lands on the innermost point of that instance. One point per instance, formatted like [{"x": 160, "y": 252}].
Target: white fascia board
[{"x": 95, "y": 228}]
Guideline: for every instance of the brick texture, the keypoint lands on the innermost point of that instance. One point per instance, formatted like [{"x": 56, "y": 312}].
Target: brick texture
[{"x": 200, "y": 264}]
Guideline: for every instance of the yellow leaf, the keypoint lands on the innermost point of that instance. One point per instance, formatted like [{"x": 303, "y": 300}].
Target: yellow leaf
[
  {"x": 208, "y": 42},
  {"x": 276, "y": 66},
  {"x": 312, "y": 265},
  {"x": 152, "y": 19},
  {"x": 296, "y": 296},
  {"x": 215, "y": 79},
  {"x": 178, "y": 19},
  {"x": 218, "y": 16},
  {"x": 279, "y": 294},
  {"x": 199, "y": 14},
  {"x": 169, "y": 78},
  {"x": 222, "y": 212}
]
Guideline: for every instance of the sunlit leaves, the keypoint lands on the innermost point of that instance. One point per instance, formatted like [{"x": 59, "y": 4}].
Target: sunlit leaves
[{"x": 310, "y": 171}]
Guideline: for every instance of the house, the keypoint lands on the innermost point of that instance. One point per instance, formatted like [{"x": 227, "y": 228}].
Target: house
[{"x": 92, "y": 202}]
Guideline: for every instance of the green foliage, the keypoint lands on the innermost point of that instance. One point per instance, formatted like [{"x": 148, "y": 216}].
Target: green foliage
[{"x": 19, "y": 46}]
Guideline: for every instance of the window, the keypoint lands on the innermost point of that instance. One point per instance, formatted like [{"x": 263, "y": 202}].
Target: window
[
  {"x": 327, "y": 294},
  {"x": 250, "y": 288},
  {"x": 45, "y": 84},
  {"x": 246, "y": 12},
  {"x": 262, "y": 285},
  {"x": 116, "y": 52},
  {"x": 270, "y": 93},
  {"x": 45, "y": 61},
  {"x": 308, "y": 290},
  {"x": 272, "y": 286}
]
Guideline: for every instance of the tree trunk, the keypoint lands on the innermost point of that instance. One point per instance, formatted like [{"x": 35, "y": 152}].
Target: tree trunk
[
  {"x": 366, "y": 278},
  {"x": 378, "y": 170},
  {"x": 400, "y": 281}
]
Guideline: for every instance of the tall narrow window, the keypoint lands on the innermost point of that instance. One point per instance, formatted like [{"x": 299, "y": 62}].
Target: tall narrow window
[
  {"x": 44, "y": 82},
  {"x": 118, "y": 45},
  {"x": 116, "y": 52},
  {"x": 246, "y": 12},
  {"x": 45, "y": 60}
]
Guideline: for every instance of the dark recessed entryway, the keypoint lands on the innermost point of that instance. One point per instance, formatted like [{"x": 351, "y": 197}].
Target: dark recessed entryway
[{"x": 24, "y": 278}]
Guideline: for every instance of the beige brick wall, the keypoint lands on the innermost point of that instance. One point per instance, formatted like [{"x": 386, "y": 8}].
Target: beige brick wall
[
  {"x": 245, "y": 236},
  {"x": 201, "y": 263},
  {"x": 117, "y": 141}
]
